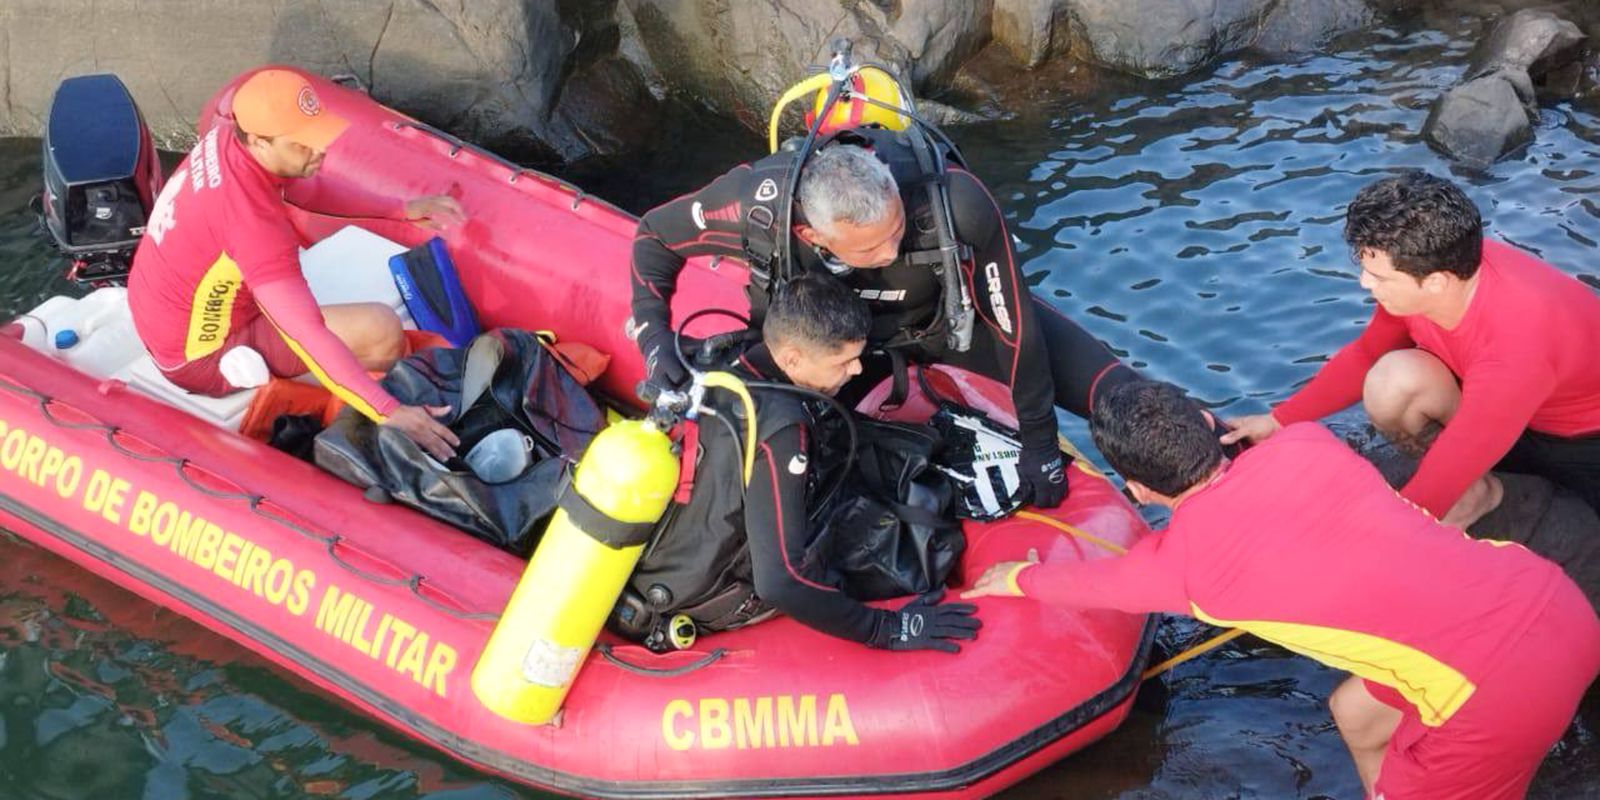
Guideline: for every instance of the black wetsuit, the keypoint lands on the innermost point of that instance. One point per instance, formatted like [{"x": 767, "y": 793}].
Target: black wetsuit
[
  {"x": 730, "y": 536},
  {"x": 1045, "y": 358}
]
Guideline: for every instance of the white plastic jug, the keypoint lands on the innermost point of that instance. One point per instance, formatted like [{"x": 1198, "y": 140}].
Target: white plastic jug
[
  {"x": 35, "y": 336},
  {"x": 108, "y": 344},
  {"x": 501, "y": 456}
]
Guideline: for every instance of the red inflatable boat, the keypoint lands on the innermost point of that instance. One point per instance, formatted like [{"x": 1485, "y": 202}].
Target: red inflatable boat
[{"x": 389, "y": 610}]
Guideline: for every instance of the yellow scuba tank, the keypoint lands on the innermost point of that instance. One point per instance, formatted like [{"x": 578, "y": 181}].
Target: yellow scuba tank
[{"x": 620, "y": 490}]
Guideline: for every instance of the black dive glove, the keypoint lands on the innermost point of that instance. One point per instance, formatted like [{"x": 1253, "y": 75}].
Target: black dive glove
[
  {"x": 923, "y": 624},
  {"x": 1044, "y": 470},
  {"x": 661, "y": 362}
]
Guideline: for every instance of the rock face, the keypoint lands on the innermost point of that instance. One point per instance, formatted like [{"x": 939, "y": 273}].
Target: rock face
[
  {"x": 563, "y": 80},
  {"x": 1164, "y": 37},
  {"x": 1160, "y": 38},
  {"x": 739, "y": 55},
  {"x": 491, "y": 70},
  {"x": 1483, "y": 119},
  {"x": 1029, "y": 28},
  {"x": 1302, "y": 26}
]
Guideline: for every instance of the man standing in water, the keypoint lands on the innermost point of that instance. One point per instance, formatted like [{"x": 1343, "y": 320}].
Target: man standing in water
[
  {"x": 1469, "y": 656},
  {"x": 1478, "y": 355},
  {"x": 216, "y": 279}
]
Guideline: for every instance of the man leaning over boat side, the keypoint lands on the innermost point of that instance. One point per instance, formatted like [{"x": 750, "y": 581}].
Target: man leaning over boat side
[
  {"x": 862, "y": 213},
  {"x": 1469, "y": 656},
  {"x": 1479, "y": 356},
  {"x": 736, "y": 552},
  {"x": 217, "y": 273}
]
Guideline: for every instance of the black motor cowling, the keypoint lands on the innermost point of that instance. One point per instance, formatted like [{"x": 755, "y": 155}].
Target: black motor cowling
[{"x": 101, "y": 173}]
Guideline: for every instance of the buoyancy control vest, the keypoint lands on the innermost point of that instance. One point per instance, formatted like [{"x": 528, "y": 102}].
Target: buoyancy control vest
[
  {"x": 905, "y": 297},
  {"x": 698, "y": 562}
]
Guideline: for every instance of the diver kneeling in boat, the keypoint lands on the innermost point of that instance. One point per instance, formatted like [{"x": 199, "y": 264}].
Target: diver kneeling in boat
[
  {"x": 735, "y": 553},
  {"x": 1470, "y": 656},
  {"x": 217, "y": 273},
  {"x": 1479, "y": 356},
  {"x": 869, "y": 198}
]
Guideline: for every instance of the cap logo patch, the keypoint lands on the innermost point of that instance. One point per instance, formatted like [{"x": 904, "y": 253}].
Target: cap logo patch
[{"x": 308, "y": 103}]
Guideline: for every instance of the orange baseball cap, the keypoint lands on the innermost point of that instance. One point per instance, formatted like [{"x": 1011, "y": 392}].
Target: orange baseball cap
[{"x": 279, "y": 102}]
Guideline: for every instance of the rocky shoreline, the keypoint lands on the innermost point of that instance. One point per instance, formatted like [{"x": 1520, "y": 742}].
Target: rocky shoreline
[{"x": 561, "y": 81}]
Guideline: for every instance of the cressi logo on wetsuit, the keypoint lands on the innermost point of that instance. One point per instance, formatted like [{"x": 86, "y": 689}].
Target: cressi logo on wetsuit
[{"x": 997, "y": 297}]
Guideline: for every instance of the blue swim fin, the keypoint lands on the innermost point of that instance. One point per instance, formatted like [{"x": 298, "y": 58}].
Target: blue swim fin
[{"x": 427, "y": 280}]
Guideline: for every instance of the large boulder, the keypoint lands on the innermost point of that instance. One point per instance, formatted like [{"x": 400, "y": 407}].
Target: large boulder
[
  {"x": 1535, "y": 41},
  {"x": 1303, "y": 26},
  {"x": 1031, "y": 30},
  {"x": 1483, "y": 119},
  {"x": 738, "y": 57},
  {"x": 489, "y": 70},
  {"x": 1161, "y": 38}
]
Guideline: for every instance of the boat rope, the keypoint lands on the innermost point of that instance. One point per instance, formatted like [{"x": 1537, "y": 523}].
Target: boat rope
[
  {"x": 1193, "y": 652},
  {"x": 258, "y": 504},
  {"x": 414, "y": 581},
  {"x": 1073, "y": 530},
  {"x": 1189, "y": 653},
  {"x": 608, "y": 652}
]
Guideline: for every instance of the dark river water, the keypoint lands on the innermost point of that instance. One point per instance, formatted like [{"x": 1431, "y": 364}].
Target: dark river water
[{"x": 1194, "y": 225}]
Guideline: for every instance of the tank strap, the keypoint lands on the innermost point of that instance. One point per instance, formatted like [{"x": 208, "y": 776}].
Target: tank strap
[
  {"x": 612, "y": 533},
  {"x": 687, "y": 460}
]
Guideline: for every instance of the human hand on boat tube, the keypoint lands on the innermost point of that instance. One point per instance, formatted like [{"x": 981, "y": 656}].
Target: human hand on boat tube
[
  {"x": 1000, "y": 580},
  {"x": 418, "y": 423},
  {"x": 435, "y": 212},
  {"x": 924, "y": 624}
]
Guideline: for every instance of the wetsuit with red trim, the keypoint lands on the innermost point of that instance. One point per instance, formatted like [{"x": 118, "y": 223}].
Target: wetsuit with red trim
[
  {"x": 1300, "y": 541},
  {"x": 218, "y": 258},
  {"x": 1524, "y": 354},
  {"x": 1018, "y": 339},
  {"x": 758, "y": 536}
]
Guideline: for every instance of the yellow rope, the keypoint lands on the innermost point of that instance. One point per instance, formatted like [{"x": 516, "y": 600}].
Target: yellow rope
[
  {"x": 1198, "y": 650},
  {"x": 1078, "y": 532}
]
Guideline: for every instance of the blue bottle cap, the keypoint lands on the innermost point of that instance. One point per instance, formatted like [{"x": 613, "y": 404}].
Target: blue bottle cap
[{"x": 66, "y": 339}]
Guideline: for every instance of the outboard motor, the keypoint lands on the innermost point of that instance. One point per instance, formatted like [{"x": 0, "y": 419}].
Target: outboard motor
[{"x": 101, "y": 176}]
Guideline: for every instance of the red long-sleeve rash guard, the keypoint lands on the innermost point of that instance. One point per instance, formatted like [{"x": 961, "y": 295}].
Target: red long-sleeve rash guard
[
  {"x": 218, "y": 251},
  {"x": 1525, "y": 354},
  {"x": 1301, "y": 542}
]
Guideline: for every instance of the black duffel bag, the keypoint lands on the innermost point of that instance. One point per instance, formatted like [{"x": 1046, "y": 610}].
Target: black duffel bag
[
  {"x": 889, "y": 530},
  {"x": 505, "y": 379}
]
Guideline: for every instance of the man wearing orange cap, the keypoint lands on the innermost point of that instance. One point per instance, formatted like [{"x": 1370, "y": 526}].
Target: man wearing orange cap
[{"x": 219, "y": 269}]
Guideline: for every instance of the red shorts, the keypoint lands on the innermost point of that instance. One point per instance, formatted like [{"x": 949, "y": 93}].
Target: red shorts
[
  {"x": 204, "y": 375},
  {"x": 1490, "y": 749}
]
